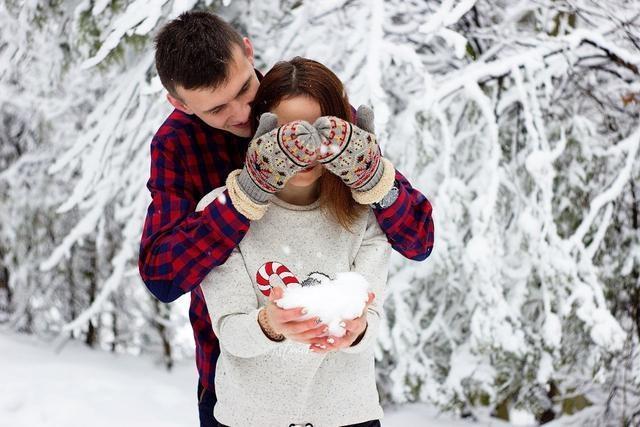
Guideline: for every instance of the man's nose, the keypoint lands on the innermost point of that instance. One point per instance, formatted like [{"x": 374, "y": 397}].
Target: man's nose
[{"x": 241, "y": 111}]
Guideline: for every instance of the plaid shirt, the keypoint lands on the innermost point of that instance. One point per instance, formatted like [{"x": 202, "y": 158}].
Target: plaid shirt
[{"x": 179, "y": 246}]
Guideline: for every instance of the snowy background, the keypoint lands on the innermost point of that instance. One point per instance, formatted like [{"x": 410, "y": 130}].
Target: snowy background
[{"x": 519, "y": 120}]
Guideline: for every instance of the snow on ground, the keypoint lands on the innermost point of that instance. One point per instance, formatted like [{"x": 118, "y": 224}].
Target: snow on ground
[{"x": 80, "y": 387}]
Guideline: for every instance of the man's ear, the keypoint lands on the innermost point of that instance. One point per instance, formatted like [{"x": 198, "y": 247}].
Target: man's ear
[
  {"x": 248, "y": 49},
  {"x": 179, "y": 105}
]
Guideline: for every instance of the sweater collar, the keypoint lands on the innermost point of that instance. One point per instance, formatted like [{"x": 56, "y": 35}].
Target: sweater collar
[{"x": 279, "y": 202}]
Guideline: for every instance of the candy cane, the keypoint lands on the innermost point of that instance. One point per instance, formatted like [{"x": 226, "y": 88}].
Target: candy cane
[{"x": 270, "y": 268}]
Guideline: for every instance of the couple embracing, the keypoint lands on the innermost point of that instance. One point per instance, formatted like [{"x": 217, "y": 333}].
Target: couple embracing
[{"x": 276, "y": 171}]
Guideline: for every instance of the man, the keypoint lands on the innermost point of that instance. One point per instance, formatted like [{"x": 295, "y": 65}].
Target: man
[{"x": 207, "y": 69}]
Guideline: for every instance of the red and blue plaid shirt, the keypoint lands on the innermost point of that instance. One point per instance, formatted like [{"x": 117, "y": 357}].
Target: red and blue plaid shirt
[{"x": 180, "y": 246}]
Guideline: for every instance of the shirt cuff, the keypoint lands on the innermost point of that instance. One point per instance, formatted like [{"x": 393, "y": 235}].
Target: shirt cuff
[
  {"x": 225, "y": 221},
  {"x": 390, "y": 216},
  {"x": 210, "y": 197}
]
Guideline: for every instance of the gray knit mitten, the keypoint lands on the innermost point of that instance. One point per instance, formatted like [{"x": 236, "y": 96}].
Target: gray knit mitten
[
  {"x": 351, "y": 152},
  {"x": 275, "y": 154}
]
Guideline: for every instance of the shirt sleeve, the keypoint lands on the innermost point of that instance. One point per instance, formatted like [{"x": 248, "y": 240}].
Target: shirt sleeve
[
  {"x": 407, "y": 222},
  {"x": 233, "y": 306},
  {"x": 372, "y": 261},
  {"x": 179, "y": 246}
]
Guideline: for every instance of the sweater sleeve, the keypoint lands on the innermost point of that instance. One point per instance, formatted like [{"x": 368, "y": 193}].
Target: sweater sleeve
[
  {"x": 179, "y": 246},
  {"x": 372, "y": 261},
  {"x": 233, "y": 307}
]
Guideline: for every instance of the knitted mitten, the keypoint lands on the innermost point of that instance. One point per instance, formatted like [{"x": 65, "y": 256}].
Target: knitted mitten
[
  {"x": 353, "y": 154},
  {"x": 274, "y": 155}
]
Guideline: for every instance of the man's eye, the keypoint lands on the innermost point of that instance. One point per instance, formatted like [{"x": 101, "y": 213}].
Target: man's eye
[{"x": 216, "y": 111}]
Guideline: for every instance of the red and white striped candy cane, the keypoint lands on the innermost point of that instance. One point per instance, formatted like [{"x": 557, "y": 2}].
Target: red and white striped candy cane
[{"x": 270, "y": 268}]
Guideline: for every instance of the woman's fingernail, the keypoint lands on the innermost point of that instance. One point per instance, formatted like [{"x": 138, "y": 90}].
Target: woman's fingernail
[
  {"x": 318, "y": 320},
  {"x": 343, "y": 325},
  {"x": 322, "y": 346},
  {"x": 304, "y": 311},
  {"x": 325, "y": 330},
  {"x": 330, "y": 340}
]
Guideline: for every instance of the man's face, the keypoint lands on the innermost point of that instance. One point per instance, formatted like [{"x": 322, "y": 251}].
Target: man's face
[{"x": 228, "y": 106}]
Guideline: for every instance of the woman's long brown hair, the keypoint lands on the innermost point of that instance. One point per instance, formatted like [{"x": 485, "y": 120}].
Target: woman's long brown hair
[{"x": 305, "y": 77}]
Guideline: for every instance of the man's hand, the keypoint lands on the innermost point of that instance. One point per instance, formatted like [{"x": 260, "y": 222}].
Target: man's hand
[
  {"x": 285, "y": 321},
  {"x": 355, "y": 330},
  {"x": 275, "y": 154},
  {"x": 350, "y": 152}
]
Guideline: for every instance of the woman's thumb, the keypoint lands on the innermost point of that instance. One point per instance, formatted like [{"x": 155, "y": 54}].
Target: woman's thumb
[
  {"x": 372, "y": 296},
  {"x": 276, "y": 293}
]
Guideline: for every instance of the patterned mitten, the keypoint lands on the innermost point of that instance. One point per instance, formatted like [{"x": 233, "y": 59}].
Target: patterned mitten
[
  {"x": 274, "y": 155},
  {"x": 353, "y": 154}
]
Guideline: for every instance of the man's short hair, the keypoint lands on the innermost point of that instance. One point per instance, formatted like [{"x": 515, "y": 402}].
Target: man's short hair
[{"x": 194, "y": 50}]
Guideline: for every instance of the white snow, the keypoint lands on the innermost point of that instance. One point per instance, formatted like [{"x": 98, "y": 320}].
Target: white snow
[
  {"x": 552, "y": 330},
  {"x": 79, "y": 387},
  {"x": 521, "y": 417},
  {"x": 333, "y": 301},
  {"x": 546, "y": 368},
  {"x": 140, "y": 15}
]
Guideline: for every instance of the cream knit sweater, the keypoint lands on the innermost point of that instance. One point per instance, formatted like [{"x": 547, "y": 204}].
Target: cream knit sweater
[{"x": 264, "y": 383}]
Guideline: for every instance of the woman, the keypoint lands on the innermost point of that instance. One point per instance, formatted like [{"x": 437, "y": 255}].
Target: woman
[{"x": 265, "y": 375}]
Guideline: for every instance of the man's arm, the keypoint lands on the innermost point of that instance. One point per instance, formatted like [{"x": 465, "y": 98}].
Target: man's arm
[
  {"x": 407, "y": 222},
  {"x": 179, "y": 246}
]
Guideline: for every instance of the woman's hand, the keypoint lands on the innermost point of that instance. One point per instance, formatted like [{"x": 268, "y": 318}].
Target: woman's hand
[
  {"x": 285, "y": 321},
  {"x": 275, "y": 154},
  {"x": 355, "y": 330}
]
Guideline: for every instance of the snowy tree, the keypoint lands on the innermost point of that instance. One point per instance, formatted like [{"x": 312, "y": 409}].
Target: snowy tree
[
  {"x": 64, "y": 258},
  {"x": 28, "y": 228},
  {"x": 525, "y": 145}
]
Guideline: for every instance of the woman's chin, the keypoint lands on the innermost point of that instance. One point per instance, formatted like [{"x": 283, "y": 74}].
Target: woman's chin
[
  {"x": 302, "y": 181},
  {"x": 305, "y": 179}
]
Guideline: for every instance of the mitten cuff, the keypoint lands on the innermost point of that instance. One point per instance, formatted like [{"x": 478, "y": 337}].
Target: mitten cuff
[
  {"x": 251, "y": 189},
  {"x": 373, "y": 180},
  {"x": 381, "y": 189},
  {"x": 241, "y": 201}
]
